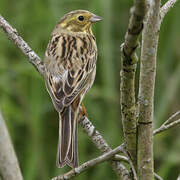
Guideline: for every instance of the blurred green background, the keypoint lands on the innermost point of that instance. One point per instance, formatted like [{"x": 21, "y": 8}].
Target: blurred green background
[{"x": 27, "y": 108}]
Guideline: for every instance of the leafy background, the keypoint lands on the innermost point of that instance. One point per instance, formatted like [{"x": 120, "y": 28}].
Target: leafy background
[{"x": 27, "y": 108}]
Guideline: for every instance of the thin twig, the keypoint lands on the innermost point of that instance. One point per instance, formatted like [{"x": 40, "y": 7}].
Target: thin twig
[
  {"x": 166, "y": 127},
  {"x": 169, "y": 123},
  {"x": 9, "y": 167},
  {"x": 166, "y": 7},
  {"x": 13, "y": 35},
  {"x": 171, "y": 118},
  {"x": 89, "y": 164},
  {"x": 118, "y": 157},
  {"x": 157, "y": 177}
]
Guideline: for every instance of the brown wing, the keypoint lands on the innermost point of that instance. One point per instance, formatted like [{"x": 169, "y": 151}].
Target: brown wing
[{"x": 70, "y": 61}]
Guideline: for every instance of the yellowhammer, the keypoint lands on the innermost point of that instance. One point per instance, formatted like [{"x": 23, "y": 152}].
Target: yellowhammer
[{"x": 70, "y": 62}]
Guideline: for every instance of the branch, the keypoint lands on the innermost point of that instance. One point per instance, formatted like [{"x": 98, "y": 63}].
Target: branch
[
  {"x": 22, "y": 45},
  {"x": 166, "y": 7},
  {"x": 168, "y": 123},
  {"x": 170, "y": 119},
  {"x": 157, "y": 177},
  {"x": 89, "y": 164},
  {"x": 166, "y": 127},
  {"x": 146, "y": 88},
  {"x": 38, "y": 64},
  {"x": 128, "y": 69},
  {"x": 150, "y": 38},
  {"x": 118, "y": 157},
  {"x": 9, "y": 167},
  {"x": 135, "y": 27},
  {"x": 131, "y": 164},
  {"x": 102, "y": 145}
]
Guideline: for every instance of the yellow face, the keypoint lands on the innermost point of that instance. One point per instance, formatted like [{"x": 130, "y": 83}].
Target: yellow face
[{"x": 79, "y": 21}]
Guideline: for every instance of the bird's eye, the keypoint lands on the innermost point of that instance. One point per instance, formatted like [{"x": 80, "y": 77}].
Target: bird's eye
[{"x": 81, "y": 18}]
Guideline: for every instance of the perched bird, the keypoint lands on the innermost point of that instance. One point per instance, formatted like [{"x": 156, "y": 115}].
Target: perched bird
[{"x": 70, "y": 62}]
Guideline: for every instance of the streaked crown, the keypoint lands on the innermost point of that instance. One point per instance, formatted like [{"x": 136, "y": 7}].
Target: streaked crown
[{"x": 78, "y": 21}]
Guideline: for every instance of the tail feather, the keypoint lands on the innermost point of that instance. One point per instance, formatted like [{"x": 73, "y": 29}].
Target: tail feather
[
  {"x": 72, "y": 157},
  {"x": 67, "y": 146}
]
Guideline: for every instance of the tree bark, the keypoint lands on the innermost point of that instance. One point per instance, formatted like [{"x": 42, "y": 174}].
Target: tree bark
[
  {"x": 127, "y": 85},
  {"x": 146, "y": 92}
]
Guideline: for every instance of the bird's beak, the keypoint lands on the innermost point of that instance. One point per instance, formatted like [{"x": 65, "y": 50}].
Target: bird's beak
[{"x": 95, "y": 18}]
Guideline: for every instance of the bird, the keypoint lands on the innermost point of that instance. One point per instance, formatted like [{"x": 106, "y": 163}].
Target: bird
[{"x": 70, "y": 66}]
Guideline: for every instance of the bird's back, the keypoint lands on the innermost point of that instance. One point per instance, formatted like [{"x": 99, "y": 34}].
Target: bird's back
[{"x": 70, "y": 64}]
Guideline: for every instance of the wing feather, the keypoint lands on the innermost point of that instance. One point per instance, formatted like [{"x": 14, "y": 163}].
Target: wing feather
[{"x": 69, "y": 68}]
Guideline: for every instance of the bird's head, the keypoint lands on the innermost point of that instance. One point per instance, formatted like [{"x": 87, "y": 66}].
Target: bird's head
[{"x": 78, "y": 21}]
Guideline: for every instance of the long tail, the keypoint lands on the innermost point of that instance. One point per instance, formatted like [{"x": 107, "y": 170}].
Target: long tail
[{"x": 67, "y": 146}]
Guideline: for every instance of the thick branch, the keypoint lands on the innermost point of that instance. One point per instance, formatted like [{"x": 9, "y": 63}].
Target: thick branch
[
  {"x": 128, "y": 69},
  {"x": 22, "y": 45},
  {"x": 135, "y": 27},
  {"x": 166, "y": 7},
  {"x": 9, "y": 167},
  {"x": 134, "y": 177},
  {"x": 146, "y": 92},
  {"x": 89, "y": 164}
]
